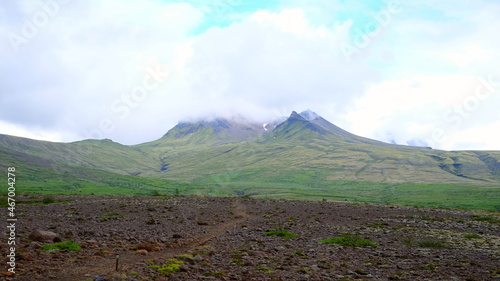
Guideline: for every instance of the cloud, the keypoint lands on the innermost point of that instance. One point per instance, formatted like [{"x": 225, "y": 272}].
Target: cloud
[
  {"x": 89, "y": 55},
  {"x": 130, "y": 71},
  {"x": 271, "y": 64},
  {"x": 430, "y": 110}
]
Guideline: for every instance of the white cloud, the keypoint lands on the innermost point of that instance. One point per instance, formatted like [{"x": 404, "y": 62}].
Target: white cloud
[
  {"x": 434, "y": 109},
  {"x": 35, "y": 133},
  {"x": 86, "y": 58},
  {"x": 76, "y": 78}
]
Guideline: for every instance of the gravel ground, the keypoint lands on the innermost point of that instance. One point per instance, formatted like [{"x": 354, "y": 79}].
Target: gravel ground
[{"x": 197, "y": 238}]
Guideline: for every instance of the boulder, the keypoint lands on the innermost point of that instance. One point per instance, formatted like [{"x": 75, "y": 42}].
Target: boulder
[
  {"x": 141, "y": 252},
  {"x": 43, "y": 236}
]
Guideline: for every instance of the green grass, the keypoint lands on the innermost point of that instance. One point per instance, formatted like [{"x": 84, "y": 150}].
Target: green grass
[
  {"x": 485, "y": 218},
  {"x": 62, "y": 246},
  {"x": 350, "y": 240},
  {"x": 281, "y": 233},
  {"x": 172, "y": 266},
  {"x": 423, "y": 195}
]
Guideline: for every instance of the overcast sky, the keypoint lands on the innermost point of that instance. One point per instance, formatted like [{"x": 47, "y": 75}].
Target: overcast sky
[{"x": 409, "y": 72}]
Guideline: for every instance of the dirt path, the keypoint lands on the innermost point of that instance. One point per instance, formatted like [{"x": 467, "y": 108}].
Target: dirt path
[{"x": 106, "y": 266}]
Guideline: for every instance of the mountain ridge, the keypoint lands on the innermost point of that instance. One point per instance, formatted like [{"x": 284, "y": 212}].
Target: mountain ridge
[{"x": 303, "y": 152}]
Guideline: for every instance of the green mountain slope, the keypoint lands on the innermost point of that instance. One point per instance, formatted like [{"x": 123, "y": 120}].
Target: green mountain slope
[
  {"x": 311, "y": 147},
  {"x": 303, "y": 157},
  {"x": 98, "y": 154}
]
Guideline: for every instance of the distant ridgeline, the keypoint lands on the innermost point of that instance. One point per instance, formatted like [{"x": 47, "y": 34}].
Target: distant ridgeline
[{"x": 301, "y": 157}]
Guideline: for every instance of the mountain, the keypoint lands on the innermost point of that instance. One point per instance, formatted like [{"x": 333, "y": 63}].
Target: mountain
[
  {"x": 301, "y": 156},
  {"x": 218, "y": 131},
  {"x": 309, "y": 125}
]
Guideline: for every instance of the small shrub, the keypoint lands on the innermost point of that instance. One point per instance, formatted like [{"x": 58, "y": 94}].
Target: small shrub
[
  {"x": 360, "y": 271},
  {"x": 301, "y": 254},
  {"x": 264, "y": 269},
  {"x": 282, "y": 233},
  {"x": 484, "y": 218},
  {"x": 155, "y": 193},
  {"x": 152, "y": 221},
  {"x": 399, "y": 275},
  {"x": 409, "y": 242},
  {"x": 349, "y": 240},
  {"x": 496, "y": 272},
  {"x": 427, "y": 218},
  {"x": 216, "y": 273},
  {"x": 48, "y": 200},
  {"x": 303, "y": 270},
  {"x": 472, "y": 236},
  {"x": 430, "y": 266},
  {"x": 172, "y": 266},
  {"x": 62, "y": 246},
  {"x": 237, "y": 261}
]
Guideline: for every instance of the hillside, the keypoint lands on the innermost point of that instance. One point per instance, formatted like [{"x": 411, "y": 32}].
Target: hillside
[
  {"x": 314, "y": 150},
  {"x": 304, "y": 156}
]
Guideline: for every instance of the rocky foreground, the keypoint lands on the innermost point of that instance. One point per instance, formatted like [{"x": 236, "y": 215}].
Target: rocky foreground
[{"x": 193, "y": 238}]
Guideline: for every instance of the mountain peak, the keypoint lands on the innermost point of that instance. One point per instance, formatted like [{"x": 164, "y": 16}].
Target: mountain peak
[
  {"x": 309, "y": 115},
  {"x": 295, "y": 116}
]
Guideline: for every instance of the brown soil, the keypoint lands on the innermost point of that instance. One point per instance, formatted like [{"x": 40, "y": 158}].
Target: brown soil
[{"x": 225, "y": 239}]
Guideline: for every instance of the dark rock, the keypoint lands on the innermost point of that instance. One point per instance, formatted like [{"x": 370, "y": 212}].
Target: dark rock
[{"x": 176, "y": 236}]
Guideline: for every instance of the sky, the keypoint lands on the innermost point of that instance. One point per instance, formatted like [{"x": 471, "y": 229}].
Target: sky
[{"x": 420, "y": 72}]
